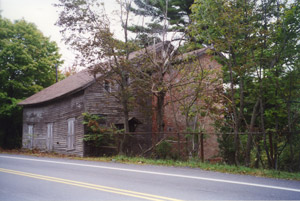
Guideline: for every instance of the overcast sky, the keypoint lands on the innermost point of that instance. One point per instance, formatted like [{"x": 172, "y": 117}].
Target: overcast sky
[{"x": 44, "y": 15}]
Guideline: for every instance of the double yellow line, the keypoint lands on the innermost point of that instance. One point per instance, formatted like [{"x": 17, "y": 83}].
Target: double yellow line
[{"x": 90, "y": 186}]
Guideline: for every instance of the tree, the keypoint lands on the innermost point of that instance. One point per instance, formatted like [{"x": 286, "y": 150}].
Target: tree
[
  {"x": 178, "y": 14},
  {"x": 27, "y": 65},
  {"x": 226, "y": 37},
  {"x": 257, "y": 43},
  {"x": 173, "y": 14}
]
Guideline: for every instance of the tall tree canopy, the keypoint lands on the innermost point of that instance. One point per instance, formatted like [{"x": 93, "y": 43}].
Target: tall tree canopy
[
  {"x": 175, "y": 11},
  {"x": 27, "y": 65},
  {"x": 167, "y": 16}
]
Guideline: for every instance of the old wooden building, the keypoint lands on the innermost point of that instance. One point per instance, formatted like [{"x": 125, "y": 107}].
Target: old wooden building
[{"x": 52, "y": 118}]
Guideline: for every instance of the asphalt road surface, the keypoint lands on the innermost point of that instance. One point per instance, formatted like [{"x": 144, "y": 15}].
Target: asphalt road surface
[{"x": 33, "y": 178}]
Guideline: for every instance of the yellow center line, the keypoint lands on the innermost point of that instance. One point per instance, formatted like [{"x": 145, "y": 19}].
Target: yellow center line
[{"x": 90, "y": 186}]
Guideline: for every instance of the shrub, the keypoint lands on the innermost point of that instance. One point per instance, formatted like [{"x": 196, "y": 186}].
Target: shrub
[{"x": 164, "y": 150}]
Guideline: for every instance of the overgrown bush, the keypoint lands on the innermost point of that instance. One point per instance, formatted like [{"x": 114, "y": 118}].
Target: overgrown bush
[
  {"x": 226, "y": 146},
  {"x": 164, "y": 150},
  {"x": 95, "y": 134},
  {"x": 288, "y": 161}
]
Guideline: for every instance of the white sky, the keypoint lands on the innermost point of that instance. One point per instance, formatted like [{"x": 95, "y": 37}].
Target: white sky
[{"x": 44, "y": 15}]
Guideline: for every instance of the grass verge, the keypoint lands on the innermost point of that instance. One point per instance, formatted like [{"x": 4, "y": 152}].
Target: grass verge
[{"x": 191, "y": 163}]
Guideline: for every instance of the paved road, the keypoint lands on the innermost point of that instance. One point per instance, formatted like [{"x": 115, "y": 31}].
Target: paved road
[{"x": 32, "y": 178}]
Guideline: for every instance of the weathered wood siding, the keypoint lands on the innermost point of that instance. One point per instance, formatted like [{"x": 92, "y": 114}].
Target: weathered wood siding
[
  {"x": 57, "y": 112},
  {"x": 98, "y": 101}
]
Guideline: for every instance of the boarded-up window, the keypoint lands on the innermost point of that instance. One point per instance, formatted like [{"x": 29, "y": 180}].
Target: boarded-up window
[
  {"x": 71, "y": 134},
  {"x": 30, "y": 136},
  {"x": 50, "y": 136}
]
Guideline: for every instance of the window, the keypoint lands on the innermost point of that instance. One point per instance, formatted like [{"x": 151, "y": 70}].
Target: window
[
  {"x": 30, "y": 136},
  {"x": 107, "y": 86},
  {"x": 71, "y": 134},
  {"x": 49, "y": 136}
]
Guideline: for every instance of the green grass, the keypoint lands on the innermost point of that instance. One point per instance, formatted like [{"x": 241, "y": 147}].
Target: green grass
[
  {"x": 204, "y": 166},
  {"x": 191, "y": 163}
]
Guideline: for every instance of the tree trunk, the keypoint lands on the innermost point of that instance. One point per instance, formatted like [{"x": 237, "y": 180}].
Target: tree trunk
[
  {"x": 289, "y": 136},
  {"x": 251, "y": 129},
  {"x": 160, "y": 112},
  {"x": 256, "y": 165},
  {"x": 235, "y": 118},
  {"x": 240, "y": 117},
  {"x": 126, "y": 126},
  {"x": 271, "y": 148},
  {"x": 233, "y": 105},
  {"x": 264, "y": 133}
]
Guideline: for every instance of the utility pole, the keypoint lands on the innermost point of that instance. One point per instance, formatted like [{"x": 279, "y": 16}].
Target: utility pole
[{"x": 56, "y": 72}]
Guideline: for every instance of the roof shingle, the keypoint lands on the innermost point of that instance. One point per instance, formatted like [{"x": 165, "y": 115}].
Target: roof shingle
[{"x": 69, "y": 85}]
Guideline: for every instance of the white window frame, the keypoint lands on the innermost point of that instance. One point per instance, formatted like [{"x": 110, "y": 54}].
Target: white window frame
[
  {"x": 71, "y": 134},
  {"x": 30, "y": 135},
  {"x": 49, "y": 140}
]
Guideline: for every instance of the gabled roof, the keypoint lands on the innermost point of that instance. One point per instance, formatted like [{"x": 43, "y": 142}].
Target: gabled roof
[{"x": 70, "y": 85}]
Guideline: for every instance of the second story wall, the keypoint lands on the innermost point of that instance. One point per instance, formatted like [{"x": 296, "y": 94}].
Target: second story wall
[{"x": 100, "y": 101}]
